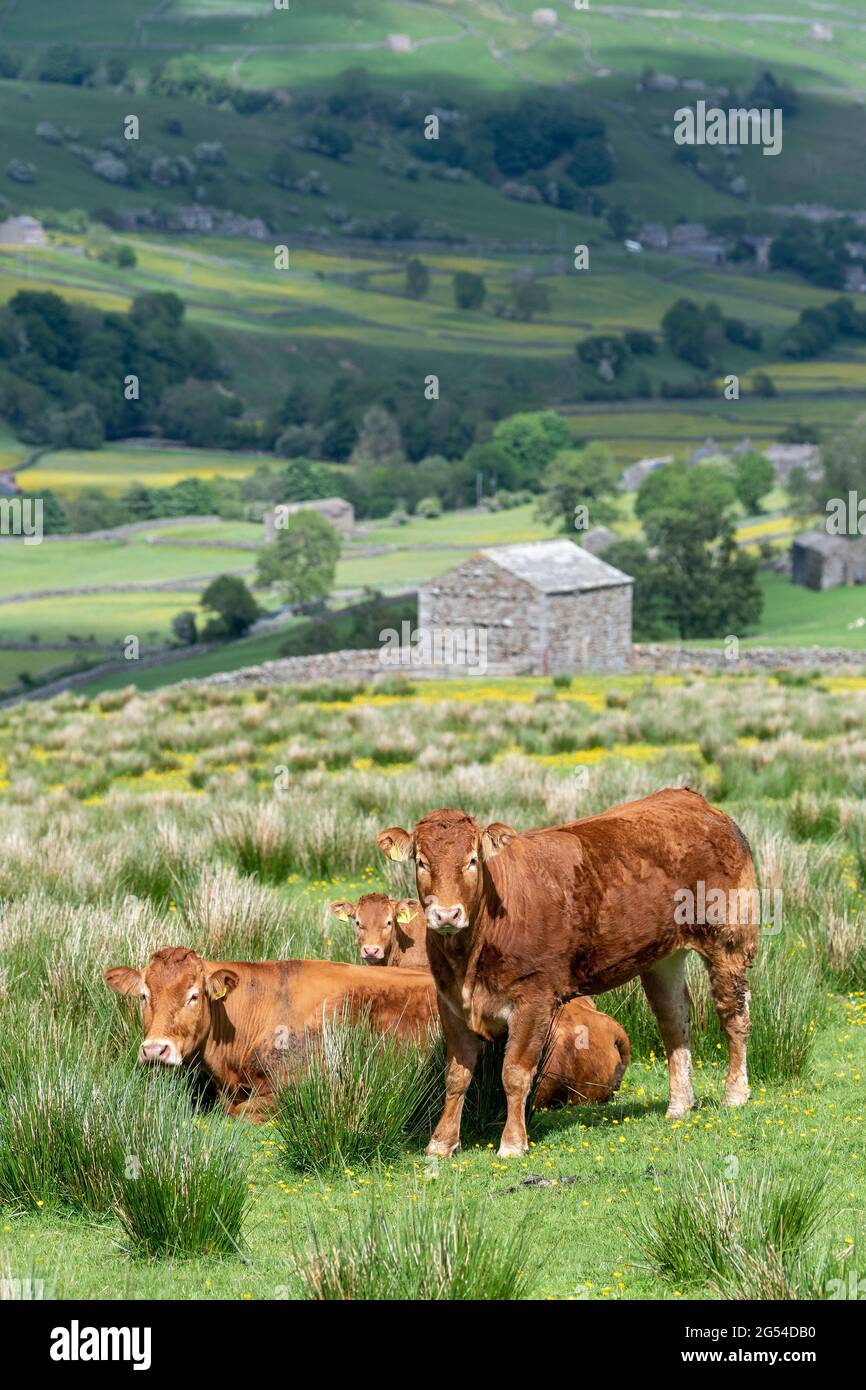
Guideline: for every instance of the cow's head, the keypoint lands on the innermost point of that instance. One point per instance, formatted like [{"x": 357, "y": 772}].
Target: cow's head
[
  {"x": 450, "y": 850},
  {"x": 379, "y": 921},
  {"x": 179, "y": 991}
]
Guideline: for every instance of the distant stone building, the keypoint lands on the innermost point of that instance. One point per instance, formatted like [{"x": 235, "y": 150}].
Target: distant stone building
[
  {"x": 339, "y": 512},
  {"x": 22, "y": 231},
  {"x": 598, "y": 540},
  {"x": 822, "y": 561},
  {"x": 654, "y": 236},
  {"x": 786, "y": 457},
  {"x": 546, "y": 607},
  {"x": 636, "y": 472}
]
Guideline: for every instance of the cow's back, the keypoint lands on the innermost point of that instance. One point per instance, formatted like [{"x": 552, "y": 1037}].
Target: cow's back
[{"x": 585, "y": 906}]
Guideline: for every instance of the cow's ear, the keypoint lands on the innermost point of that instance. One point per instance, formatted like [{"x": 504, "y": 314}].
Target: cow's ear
[
  {"x": 406, "y": 910},
  {"x": 395, "y": 843},
  {"x": 221, "y": 982},
  {"x": 495, "y": 838},
  {"x": 124, "y": 980},
  {"x": 345, "y": 911}
]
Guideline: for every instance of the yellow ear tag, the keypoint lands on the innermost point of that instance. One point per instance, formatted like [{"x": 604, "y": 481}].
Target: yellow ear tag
[
  {"x": 395, "y": 853},
  {"x": 405, "y": 916},
  {"x": 342, "y": 916},
  {"x": 222, "y": 994}
]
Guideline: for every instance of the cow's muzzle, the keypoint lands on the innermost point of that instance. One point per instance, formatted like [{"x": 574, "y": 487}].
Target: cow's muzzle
[
  {"x": 372, "y": 955},
  {"x": 161, "y": 1050},
  {"x": 446, "y": 919}
]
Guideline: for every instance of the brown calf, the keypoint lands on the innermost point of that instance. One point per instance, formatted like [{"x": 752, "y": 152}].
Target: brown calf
[
  {"x": 588, "y": 1051},
  {"x": 389, "y": 932},
  {"x": 245, "y": 1021},
  {"x": 517, "y": 923}
]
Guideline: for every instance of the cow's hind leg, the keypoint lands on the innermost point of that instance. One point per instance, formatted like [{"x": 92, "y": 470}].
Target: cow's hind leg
[
  {"x": 730, "y": 990},
  {"x": 668, "y": 994}
]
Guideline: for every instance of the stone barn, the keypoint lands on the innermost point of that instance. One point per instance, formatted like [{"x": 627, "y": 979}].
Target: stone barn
[
  {"x": 821, "y": 561},
  {"x": 546, "y": 607},
  {"x": 337, "y": 510}
]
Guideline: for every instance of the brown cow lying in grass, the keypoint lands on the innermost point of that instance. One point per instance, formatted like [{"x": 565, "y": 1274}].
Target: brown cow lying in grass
[
  {"x": 588, "y": 1051},
  {"x": 518, "y": 923},
  {"x": 245, "y": 1022}
]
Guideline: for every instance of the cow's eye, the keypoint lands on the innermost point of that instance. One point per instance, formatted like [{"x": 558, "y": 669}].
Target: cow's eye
[
  {"x": 193, "y": 997},
  {"x": 473, "y": 862},
  {"x": 143, "y": 997},
  {"x": 419, "y": 864}
]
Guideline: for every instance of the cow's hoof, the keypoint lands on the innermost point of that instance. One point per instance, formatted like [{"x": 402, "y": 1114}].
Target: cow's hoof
[
  {"x": 679, "y": 1110},
  {"x": 735, "y": 1098},
  {"x": 438, "y": 1149},
  {"x": 512, "y": 1150}
]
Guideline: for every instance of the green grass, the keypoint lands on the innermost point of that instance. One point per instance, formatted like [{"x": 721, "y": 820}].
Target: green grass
[
  {"x": 108, "y": 618},
  {"x": 113, "y": 469},
  {"x": 360, "y": 1095}
]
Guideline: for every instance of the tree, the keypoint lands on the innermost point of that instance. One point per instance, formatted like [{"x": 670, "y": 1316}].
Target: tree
[
  {"x": 93, "y": 510},
  {"x": 417, "y": 278},
  {"x": 429, "y": 507},
  {"x": 532, "y": 439},
  {"x": 234, "y": 607},
  {"x": 754, "y": 478},
  {"x": 469, "y": 290},
  {"x": 304, "y": 481},
  {"x": 585, "y": 477},
  {"x": 183, "y": 626},
  {"x": 139, "y": 502},
  {"x": 843, "y": 464},
  {"x": 302, "y": 561},
  {"x": 696, "y": 579},
  {"x": 529, "y": 297},
  {"x": 676, "y": 496},
  {"x": 691, "y": 333},
  {"x": 65, "y": 62},
  {"x": 378, "y": 438},
  {"x": 619, "y": 220},
  {"x": 198, "y": 413}
]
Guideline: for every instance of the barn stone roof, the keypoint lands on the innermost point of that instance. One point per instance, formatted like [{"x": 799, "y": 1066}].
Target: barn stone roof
[
  {"x": 556, "y": 567},
  {"x": 825, "y": 544}
]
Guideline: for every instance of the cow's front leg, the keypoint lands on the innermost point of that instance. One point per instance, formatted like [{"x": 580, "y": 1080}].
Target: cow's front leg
[
  {"x": 528, "y": 1030},
  {"x": 462, "y": 1053}
]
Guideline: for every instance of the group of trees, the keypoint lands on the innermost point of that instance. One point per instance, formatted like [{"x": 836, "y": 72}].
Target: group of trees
[
  {"x": 691, "y": 578},
  {"x": 815, "y": 250},
  {"x": 700, "y": 335},
  {"x": 816, "y": 330},
  {"x": 72, "y": 376}
]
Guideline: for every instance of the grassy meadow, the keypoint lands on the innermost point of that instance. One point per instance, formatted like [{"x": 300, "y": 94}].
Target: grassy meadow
[{"x": 132, "y": 823}]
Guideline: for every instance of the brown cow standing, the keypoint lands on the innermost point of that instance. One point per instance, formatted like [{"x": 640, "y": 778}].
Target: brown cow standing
[
  {"x": 517, "y": 923},
  {"x": 588, "y": 1051},
  {"x": 245, "y": 1021}
]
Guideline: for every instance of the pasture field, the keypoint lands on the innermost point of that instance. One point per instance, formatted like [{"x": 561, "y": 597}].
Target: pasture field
[
  {"x": 114, "y": 468},
  {"x": 142, "y": 822}
]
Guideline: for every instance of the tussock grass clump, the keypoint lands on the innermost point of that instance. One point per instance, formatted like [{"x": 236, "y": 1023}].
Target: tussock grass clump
[
  {"x": 358, "y": 1098},
  {"x": 788, "y": 1005},
  {"x": 426, "y": 1252},
  {"x": 180, "y": 1179},
  {"x": 731, "y": 1233},
  {"x": 56, "y": 1148}
]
